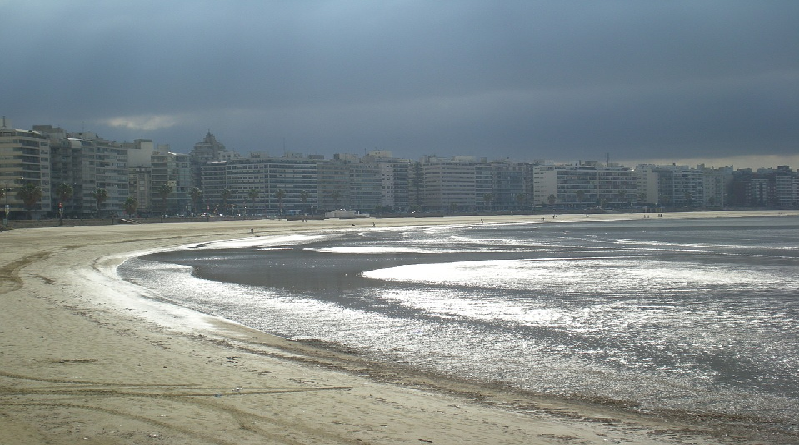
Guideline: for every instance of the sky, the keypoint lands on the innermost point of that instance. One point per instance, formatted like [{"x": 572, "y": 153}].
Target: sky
[{"x": 629, "y": 81}]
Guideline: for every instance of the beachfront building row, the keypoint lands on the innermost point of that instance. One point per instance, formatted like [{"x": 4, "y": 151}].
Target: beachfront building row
[
  {"x": 24, "y": 160},
  {"x": 377, "y": 182},
  {"x": 765, "y": 187},
  {"x": 89, "y": 176}
]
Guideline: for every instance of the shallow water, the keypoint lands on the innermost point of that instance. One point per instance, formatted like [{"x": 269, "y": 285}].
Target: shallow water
[{"x": 699, "y": 316}]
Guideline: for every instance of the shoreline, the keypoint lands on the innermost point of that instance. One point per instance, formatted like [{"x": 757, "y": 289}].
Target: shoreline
[{"x": 82, "y": 365}]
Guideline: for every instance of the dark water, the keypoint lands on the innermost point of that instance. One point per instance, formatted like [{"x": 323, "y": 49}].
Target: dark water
[{"x": 697, "y": 316}]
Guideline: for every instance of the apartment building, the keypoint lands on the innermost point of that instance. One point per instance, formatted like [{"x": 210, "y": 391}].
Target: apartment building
[
  {"x": 205, "y": 151},
  {"x": 140, "y": 174},
  {"x": 777, "y": 188},
  {"x": 291, "y": 184},
  {"x": 786, "y": 190},
  {"x": 512, "y": 186},
  {"x": 90, "y": 166},
  {"x": 647, "y": 178},
  {"x": 716, "y": 186},
  {"x": 585, "y": 185},
  {"x": 452, "y": 183},
  {"x": 261, "y": 184},
  {"x": 24, "y": 160},
  {"x": 394, "y": 177},
  {"x": 683, "y": 186},
  {"x": 350, "y": 182},
  {"x": 680, "y": 186},
  {"x": 140, "y": 188},
  {"x": 215, "y": 192},
  {"x": 140, "y": 152},
  {"x": 170, "y": 172}
]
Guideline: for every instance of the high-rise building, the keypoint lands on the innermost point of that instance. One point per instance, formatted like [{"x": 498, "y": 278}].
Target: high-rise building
[
  {"x": 140, "y": 152},
  {"x": 171, "y": 182},
  {"x": 585, "y": 185},
  {"x": 451, "y": 183},
  {"x": 511, "y": 185},
  {"x": 24, "y": 162},
  {"x": 95, "y": 169},
  {"x": 139, "y": 188},
  {"x": 206, "y": 151},
  {"x": 261, "y": 185}
]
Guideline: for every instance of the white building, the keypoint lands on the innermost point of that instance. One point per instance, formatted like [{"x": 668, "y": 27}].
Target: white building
[
  {"x": 647, "y": 177},
  {"x": 24, "y": 159},
  {"x": 88, "y": 164},
  {"x": 450, "y": 182},
  {"x": 585, "y": 185}
]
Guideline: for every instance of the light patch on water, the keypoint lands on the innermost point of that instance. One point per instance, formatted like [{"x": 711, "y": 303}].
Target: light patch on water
[
  {"x": 583, "y": 275},
  {"x": 376, "y": 250},
  {"x": 256, "y": 241}
]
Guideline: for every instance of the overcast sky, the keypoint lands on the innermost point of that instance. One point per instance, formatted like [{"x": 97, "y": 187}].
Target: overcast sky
[{"x": 558, "y": 80}]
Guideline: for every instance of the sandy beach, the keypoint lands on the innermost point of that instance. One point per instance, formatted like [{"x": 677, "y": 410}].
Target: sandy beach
[{"x": 86, "y": 358}]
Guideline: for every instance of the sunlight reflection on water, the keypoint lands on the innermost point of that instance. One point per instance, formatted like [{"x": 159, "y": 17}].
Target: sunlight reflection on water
[{"x": 685, "y": 317}]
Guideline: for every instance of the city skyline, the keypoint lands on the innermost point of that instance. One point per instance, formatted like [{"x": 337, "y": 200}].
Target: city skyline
[
  {"x": 90, "y": 174},
  {"x": 755, "y": 162},
  {"x": 683, "y": 82}
]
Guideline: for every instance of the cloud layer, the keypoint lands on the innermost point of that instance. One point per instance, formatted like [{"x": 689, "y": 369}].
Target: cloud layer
[{"x": 561, "y": 80}]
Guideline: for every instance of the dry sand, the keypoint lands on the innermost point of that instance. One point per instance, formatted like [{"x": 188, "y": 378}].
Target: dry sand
[{"x": 85, "y": 359}]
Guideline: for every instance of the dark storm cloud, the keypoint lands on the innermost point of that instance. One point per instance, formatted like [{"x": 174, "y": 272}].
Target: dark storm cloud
[{"x": 561, "y": 80}]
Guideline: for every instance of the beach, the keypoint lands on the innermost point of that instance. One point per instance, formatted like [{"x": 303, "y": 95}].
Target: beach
[{"x": 87, "y": 358}]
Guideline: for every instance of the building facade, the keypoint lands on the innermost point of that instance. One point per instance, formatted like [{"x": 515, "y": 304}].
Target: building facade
[
  {"x": 261, "y": 185},
  {"x": 171, "y": 182},
  {"x": 72, "y": 169},
  {"x": 24, "y": 162},
  {"x": 585, "y": 185},
  {"x": 94, "y": 169}
]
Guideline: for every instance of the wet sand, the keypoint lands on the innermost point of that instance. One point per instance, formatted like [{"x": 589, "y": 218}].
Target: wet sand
[{"x": 85, "y": 359}]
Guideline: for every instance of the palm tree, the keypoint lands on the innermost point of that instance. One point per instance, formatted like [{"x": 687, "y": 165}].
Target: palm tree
[
  {"x": 621, "y": 195},
  {"x": 226, "y": 193},
  {"x": 64, "y": 192},
  {"x": 487, "y": 199},
  {"x": 30, "y": 194},
  {"x": 336, "y": 196},
  {"x": 163, "y": 191},
  {"x": 580, "y": 196},
  {"x": 304, "y": 197},
  {"x": 131, "y": 204},
  {"x": 196, "y": 194},
  {"x": 279, "y": 195},
  {"x": 520, "y": 199},
  {"x": 100, "y": 195},
  {"x": 252, "y": 194},
  {"x": 552, "y": 199}
]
